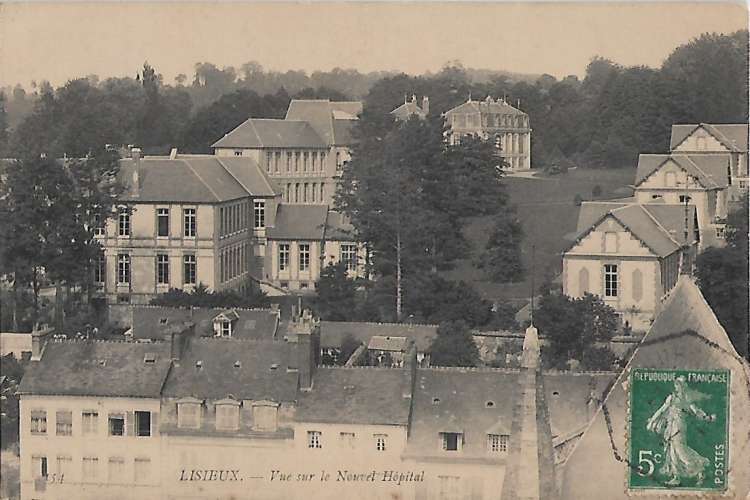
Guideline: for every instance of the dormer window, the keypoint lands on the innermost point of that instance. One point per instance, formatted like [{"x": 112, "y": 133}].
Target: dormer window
[
  {"x": 227, "y": 415},
  {"x": 265, "y": 416},
  {"x": 225, "y": 328},
  {"x": 189, "y": 413},
  {"x": 497, "y": 443},
  {"x": 451, "y": 441},
  {"x": 224, "y": 323}
]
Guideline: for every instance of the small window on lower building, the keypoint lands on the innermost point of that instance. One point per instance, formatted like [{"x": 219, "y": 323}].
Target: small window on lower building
[
  {"x": 143, "y": 423},
  {"x": 142, "y": 470},
  {"x": 64, "y": 423},
  {"x": 64, "y": 466},
  {"x": 116, "y": 424},
  {"x": 89, "y": 422},
  {"x": 347, "y": 439},
  {"x": 90, "y": 469},
  {"x": 497, "y": 443},
  {"x": 39, "y": 466},
  {"x": 380, "y": 441},
  {"x": 314, "y": 439},
  {"x": 451, "y": 441},
  {"x": 38, "y": 422},
  {"x": 116, "y": 470},
  {"x": 720, "y": 233}
]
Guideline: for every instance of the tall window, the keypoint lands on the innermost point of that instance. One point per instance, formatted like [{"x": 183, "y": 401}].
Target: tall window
[
  {"x": 497, "y": 443},
  {"x": 162, "y": 222},
  {"x": 100, "y": 269},
  {"x": 116, "y": 424},
  {"x": 380, "y": 441},
  {"x": 142, "y": 470},
  {"x": 283, "y": 256},
  {"x": 276, "y": 161},
  {"x": 123, "y": 269},
  {"x": 38, "y": 422},
  {"x": 304, "y": 257},
  {"x": 305, "y": 189},
  {"x": 64, "y": 466},
  {"x": 116, "y": 470},
  {"x": 188, "y": 215},
  {"x": 322, "y": 191},
  {"x": 349, "y": 256},
  {"x": 322, "y": 160},
  {"x": 123, "y": 222},
  {"x": 451, "y": 440},
  {"x": 39, "y": 466},
  {"x": 305, "y": 157},
  {"x": 98, "y": 224},
  {"x": 314, "y": 439},
  {"x": 296, "y": 161},
  {"x": 189, "y": 269},
  {"x": 89, "y": 422},
  {"x": 296, "y": 193},
  {"x": 288, "y": 161},
  {"x": 269, "y": 158},
  {"x": 64, "y": 423},
  {"x": 259, "y": 209},
  {"x": 90, "y": 469},
  {"x": 162, "y": 269},
  {"x": 314, "y": 160},
  {"x": 348, "y": 439},
  {"x": 143, "y": 423},
  {"x": 610, "y": 280}
]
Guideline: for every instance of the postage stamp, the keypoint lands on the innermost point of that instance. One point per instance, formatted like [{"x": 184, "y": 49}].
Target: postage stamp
[{"x": 679, "y": 430}]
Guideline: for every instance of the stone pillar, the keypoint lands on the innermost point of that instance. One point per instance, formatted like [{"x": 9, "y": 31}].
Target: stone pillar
[{"x": 528, "y": 150}]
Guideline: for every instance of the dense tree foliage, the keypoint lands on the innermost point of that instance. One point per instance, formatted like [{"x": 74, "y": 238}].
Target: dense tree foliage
[
  {"x": 723, "y": 278},
  {"x": 502, "y": 255},
  {"x": 336, "y": 294},
  {"x": 574, "y": 328},
  {"x": 250, "y": 297},
  {"x": 454, "y": 346},
  {"x": 3, "y": 127}
]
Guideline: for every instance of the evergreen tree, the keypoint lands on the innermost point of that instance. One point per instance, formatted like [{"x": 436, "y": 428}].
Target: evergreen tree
[
  {"x": 454, "y": 346},
  {"x": 3, "y": 127},
  {"x": 336, "y": 294},
  {"x": 502, "y": 255}
]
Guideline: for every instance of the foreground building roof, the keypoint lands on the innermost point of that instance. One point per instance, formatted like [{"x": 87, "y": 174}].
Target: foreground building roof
[
  {"x": 733, "y": 136},
  {"x": 686, "y": 335},
  {"x": 709, "y": 169},
  {"x": 99, "y": 368}
]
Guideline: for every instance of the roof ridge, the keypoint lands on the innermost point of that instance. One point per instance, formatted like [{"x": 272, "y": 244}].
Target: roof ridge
[
  {"x": 218, "y": 159},
  {"x": 68, "y": 340},
  {"x": 270, "y": 340},
  {"x": 708, "y": 177},
  {"x": 381, "y": 324},
  {"x": 256, "y": 132},
  {"x": 719, "y": 135},
  {"x": 189, "y": 166},
  {"x": 153, "y": 306},
  {"x": 366, "y": 367}
]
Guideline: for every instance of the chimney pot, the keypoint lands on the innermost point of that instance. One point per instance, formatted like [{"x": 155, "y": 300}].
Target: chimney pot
[{"x": 173, "y": 154}]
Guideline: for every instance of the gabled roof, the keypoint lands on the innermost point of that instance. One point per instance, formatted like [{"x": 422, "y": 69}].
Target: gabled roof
[
  {"x": 251, "y": 177},
  {"x": 98, "y": 368},
  {"x": 486, "y": 106},
  {"x": 364, "y": 395},
  {"x": 407, "y": 109},
  {"x": 686, "y": 335},
  {"x": 734, "y": 136},
  {"x": 709, "y": 169},
  {"x": 260, "y": 374},
  {"x": 192, "y": 179},
  {"x": 149, "y": 322},
  {"x": 332, "y": 120},
  {"x": 477, "y": 402},
  {"x": 299, "y": 222},
  {"x": 270, "y": 133},
  {"x": 660, "y": 227},
  {"x": 332, "y": 333}
]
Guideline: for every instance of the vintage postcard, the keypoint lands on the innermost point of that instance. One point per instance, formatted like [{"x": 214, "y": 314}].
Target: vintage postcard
[{"x": 380, "y": 250}]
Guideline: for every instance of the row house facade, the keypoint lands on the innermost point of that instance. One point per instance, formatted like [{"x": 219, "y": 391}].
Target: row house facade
[
  {"x": 304, "y": 153},
  {"x": 630, "y": 255},
  {"x": 493, "y": 120},
  {"x": 181, "y": 221},
  {"x": 729, "y": 139},
  {"x": 226, "y": 414}
]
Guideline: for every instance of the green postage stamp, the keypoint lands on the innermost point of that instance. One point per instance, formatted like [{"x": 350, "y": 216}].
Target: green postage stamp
[{"x": 679, "y": 430}]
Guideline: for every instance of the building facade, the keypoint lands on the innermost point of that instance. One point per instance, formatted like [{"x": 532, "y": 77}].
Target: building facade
[
  {"x": 412, "y": 108},
  {"x": 304, "y": 153},
  {"x": 630, "y": 255},
  {"x": 494, "y": 120}
]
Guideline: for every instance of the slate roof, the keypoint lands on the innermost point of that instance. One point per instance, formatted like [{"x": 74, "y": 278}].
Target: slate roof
[
  {"x": 665, "y": 346},
  {"x": 332, "y": 333},
  {"x": 192, "y": 179},
  {"x": 734, "y": 136},
  {"x": 407, "y": 109},
  {"x": 486, "y": 106},
  {"x": 364, "y": 395},
  {"x": 298, "y": 222},
  {"x": 319, "y": 113},
  {"x": 709, "y": 169},
  {"x": 251, "y": 177},
  {"x": 255, "y": 324},
  {"x": 98, "y": 368},
  {"x": 271, "y": 133},
  {"x": 660, "y": 227},
  {"x": 394, "y": 344},
  {"x": 255, "y": 378},
  {"x": 476, "y": 402}
]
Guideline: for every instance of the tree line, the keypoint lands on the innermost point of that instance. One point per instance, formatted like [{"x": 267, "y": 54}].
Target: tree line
[{"x": 603, "y": 120}]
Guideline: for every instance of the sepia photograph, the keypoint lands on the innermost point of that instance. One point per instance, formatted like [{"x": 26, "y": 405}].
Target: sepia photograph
[{"x": 389, "y": 250}]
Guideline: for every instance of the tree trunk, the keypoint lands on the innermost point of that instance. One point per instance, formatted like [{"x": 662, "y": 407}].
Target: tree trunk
[
  {"x": 35, "y": 287},
  {"x": 15, "y": 301},
  {"x": 398, "y": 277}
]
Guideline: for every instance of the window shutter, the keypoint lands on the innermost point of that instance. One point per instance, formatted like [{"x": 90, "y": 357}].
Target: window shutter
[{"x": 130, "y": 423}]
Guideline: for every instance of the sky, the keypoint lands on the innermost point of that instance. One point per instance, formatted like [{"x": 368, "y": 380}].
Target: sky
[{"x": 56, "y": 42}]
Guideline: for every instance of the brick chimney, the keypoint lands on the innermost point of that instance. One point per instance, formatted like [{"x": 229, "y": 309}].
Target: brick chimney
[
  {"x": 39, "y": 336},
  {"x": 135, "y": 186},
  {"x": 305, "y": 333}
]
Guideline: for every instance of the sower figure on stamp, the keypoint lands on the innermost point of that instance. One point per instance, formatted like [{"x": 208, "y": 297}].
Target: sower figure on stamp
[{"x": 670, "y": 422}]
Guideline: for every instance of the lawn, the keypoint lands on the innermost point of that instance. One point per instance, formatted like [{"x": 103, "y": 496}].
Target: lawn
[{"x": 547, "y": 212}]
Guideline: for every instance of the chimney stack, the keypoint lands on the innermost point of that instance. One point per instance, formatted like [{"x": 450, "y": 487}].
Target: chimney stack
[
  {"x": 39, "y": 337},
  {"x": 135, "y": 188},
  {"x": 178, "y": 336},
  {"x": 305, "y": 333}
]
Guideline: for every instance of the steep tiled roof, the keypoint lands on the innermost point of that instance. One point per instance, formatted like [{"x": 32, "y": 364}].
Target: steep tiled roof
[
  {"x": 685, "y": 335},
  {"x": 476, "y": 402},
  {"x": 658, "y": 226},
  {"x": 265, "y": 133},
  {"x": 733, "y": 136},
  {"x": 193, "y": 179},
  {"x": 319, "y": 113},
  {"x": 332, "y": 333},
  {"x": 357, "y": 396},
  {"x": 260, "y": 374},
  {"x": 149, "y": 322},
  {"x": 709, "y": 169},
  {"x": 98, "y": 368},
  {"x": 253, "y": 178},
  {"x": 299, "y": 222},
  {"x": 498, "y": 106}
]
